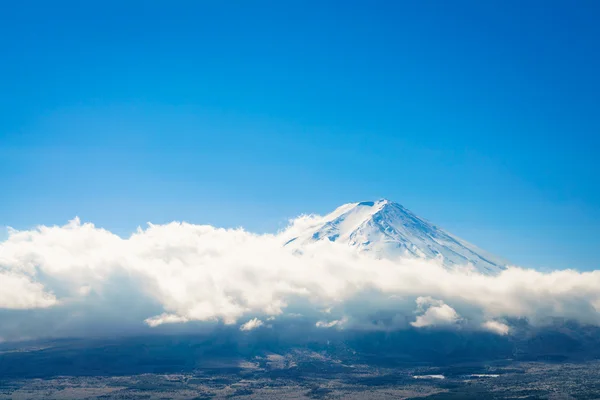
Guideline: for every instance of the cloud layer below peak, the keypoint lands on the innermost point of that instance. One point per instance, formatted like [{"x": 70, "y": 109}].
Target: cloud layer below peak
[{"x": 69, "y": 278}]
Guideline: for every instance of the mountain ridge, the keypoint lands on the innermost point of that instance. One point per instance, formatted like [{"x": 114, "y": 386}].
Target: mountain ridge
[{"x": 388, "y": 230}]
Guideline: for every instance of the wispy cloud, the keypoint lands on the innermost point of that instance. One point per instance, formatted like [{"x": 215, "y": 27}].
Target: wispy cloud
[{"x": 252, "y": 324}]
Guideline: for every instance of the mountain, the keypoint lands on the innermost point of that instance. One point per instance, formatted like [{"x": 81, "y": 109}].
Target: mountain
[{"x": 387, "y": 230}]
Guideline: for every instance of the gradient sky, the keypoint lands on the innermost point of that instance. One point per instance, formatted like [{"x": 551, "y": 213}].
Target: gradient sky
[{"x": 482, "y": 116}]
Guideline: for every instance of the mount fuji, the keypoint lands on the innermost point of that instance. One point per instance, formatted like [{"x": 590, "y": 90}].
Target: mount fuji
[{"x": 385, "y": 229}]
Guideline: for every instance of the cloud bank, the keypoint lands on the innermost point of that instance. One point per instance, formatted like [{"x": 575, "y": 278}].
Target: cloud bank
[{"x": 64, "y": 280}]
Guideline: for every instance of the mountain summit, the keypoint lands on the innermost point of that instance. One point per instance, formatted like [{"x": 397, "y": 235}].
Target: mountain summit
[{"x": 388, "y": 230}]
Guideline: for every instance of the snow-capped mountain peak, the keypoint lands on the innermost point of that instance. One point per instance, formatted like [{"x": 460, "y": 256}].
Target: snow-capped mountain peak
[{"x": 387, "y": 230}]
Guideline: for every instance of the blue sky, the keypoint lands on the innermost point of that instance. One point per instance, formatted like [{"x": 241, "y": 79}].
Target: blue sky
[{"x": 480, "y": 116}]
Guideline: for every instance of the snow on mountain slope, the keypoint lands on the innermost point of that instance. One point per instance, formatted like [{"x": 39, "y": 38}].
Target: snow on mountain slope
[{"x": 388, "y": 230}]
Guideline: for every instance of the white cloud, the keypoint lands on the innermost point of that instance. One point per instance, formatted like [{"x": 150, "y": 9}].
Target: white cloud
[
  {"x": 19, "y": 292},
  {"x": 179, "y": 273},
  {"x": 165, "y": 319},
  {"x": 337, "y": 323},
  {"x": 496, "y": 327},
  {"x": 434, "y": 313},
  {"x": 252, "y": 324}
]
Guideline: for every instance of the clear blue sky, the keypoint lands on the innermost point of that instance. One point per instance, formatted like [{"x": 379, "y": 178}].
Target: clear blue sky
[{"x": 482, "y": 116}]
